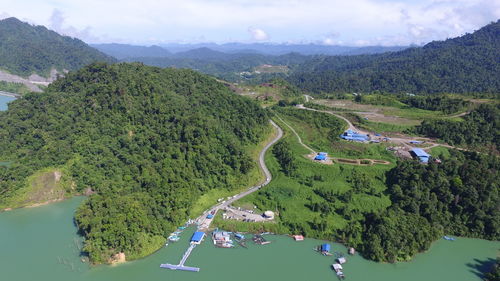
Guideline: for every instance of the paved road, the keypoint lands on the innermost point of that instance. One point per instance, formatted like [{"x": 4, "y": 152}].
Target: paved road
[{"x": 202, "y": 220}]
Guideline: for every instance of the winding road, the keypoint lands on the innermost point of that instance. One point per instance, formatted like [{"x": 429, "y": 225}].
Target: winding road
[
  {"x": 398, "y": 140},
  {"x": 204, "y": 222}
]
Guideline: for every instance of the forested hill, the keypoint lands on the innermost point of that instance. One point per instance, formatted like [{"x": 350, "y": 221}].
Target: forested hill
[
  {"x": 148, "y": 141},
  {"x": 467, "y": 64},
  {"x": 26, "y": 49}
]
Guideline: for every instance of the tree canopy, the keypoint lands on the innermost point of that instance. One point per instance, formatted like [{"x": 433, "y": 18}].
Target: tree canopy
[
  {"x": 26, "y": 49},
  {"x": 148, "y": 141},
  {"x": 467, "y": 64}
]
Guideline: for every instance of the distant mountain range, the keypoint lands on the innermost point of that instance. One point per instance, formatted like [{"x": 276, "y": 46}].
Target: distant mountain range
[
  {"x": 466, "y": 64},
  {"x": 122, "y": 51},
  {"x": 26, "y": 49}
]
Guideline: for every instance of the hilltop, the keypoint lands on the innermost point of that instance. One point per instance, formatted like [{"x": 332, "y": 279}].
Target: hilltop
[
  {"x": 466, "y": 64},
  {"x": 27, "y": 49},
  {"x": 146, "y": 142}
]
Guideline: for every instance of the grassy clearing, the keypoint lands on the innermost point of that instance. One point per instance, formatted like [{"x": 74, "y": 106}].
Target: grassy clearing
[
  {"x": 298, "y": 200},
  {"x": 17, "y": 88},
  {"x": 440, "y": 152},
  {"x": 44, "y": 186},
  {"x": 317, "y": 138}
]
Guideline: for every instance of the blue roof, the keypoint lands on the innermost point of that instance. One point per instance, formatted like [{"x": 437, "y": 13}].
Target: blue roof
[
  {"x": 325, "y": 248},
  {"x": 323, "y": 153},
  {"x": 210, "y": 216},
  {"x": 420, "y": 152},
  {"x": 197, "y": 236},
  {"x": 365, "y": 138},
  {"x": 320, "y": 157}
]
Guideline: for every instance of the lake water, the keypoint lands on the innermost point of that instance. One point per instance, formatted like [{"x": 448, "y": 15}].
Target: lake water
[
  {"x": 41, "y": 244},
  {"x": 3, "y": 102}
]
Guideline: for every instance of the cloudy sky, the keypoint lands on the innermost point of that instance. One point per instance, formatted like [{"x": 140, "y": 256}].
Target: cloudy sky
[{"x": 340, "y": 22}]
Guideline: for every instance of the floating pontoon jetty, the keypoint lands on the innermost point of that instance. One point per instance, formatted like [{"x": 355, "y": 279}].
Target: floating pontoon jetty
[{"x": 195, "y": 240}]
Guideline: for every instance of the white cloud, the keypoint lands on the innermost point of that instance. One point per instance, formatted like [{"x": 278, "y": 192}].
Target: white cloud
[
  {"x": 58, "y": 23},
  {"x": 4, "y": 15},
  {"x": 258, "y": 34},
  {"x": 375, "y": 21}
]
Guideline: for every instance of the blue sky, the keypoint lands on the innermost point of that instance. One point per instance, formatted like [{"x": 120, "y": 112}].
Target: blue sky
[{"x": 331, "y": 22}]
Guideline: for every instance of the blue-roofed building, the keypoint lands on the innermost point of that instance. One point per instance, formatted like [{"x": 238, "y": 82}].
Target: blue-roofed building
[
  {"x": 321, "y": 156},
  {"x": 419, "y": 153},
  {"x": 197, "y": 237},
  {"x": 354, "y": 136},
  {"x": 325, "y": 248}
]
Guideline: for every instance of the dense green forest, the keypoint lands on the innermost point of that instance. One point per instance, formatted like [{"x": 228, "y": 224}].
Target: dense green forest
[
  {"x": 459, "y": 197},
  {"x": 481, "y": 127},
  {"x": 26, "y": 49},
  {"x": 147, "y": 141},
  {"x": 225, "y": 66},
  {"x": 436, "y": 103},
  {"x": 467, "y": 64}
]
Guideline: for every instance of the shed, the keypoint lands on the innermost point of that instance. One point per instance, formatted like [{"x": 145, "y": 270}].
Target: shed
[
  {"x": 354, "y": 136},
  {"x": 197, "y": 237},
  {"x": 320, "y": 157},
  {"x": 325, "y": 248},
  {"x": 420, "y": 154}
]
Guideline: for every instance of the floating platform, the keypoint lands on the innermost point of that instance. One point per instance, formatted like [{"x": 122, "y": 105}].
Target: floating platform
[{"x": 179, "y": 267}]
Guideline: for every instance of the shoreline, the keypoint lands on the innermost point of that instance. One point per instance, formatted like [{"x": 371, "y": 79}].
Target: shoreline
[{"x": 8, "y": 94}]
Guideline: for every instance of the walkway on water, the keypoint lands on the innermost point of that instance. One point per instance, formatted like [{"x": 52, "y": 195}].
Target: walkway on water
[{"x": 181, "y": 265}]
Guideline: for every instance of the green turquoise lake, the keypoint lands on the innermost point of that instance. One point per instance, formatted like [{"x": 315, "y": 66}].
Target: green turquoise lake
[
  {"x": 42, "y": 244},
  {"x": 4, "y": 100}
]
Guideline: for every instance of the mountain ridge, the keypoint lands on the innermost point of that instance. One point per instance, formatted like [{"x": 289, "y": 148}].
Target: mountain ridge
[{"x": 27, "y": 49}]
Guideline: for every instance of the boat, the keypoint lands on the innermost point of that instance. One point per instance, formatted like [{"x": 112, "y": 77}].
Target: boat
[
  {"x": 174, "y": 238},
  {"x": 449, "y": 238},
  {"x": 324, "y": 249},
  {"x": 338, "y": 270},
  {"x": 259, "y": 240},
  {"x": 352, "y": 251}
]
